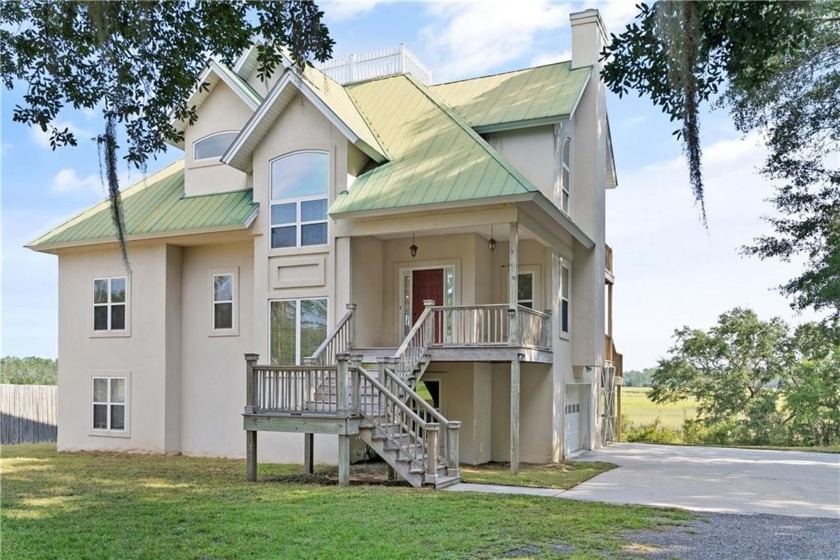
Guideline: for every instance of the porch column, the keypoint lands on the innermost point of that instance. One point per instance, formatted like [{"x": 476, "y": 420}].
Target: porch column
[
  {"x": 250, "y": 408},
  {"x": 343, "y": 407},
  {"x": 513, "y": 340},
  {"x": 308, "y": 453}
]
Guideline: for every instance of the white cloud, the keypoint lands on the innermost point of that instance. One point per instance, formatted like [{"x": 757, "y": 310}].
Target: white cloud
[
  {"x": 670, "y": 270},
  {"x": 348, "y": 9},
  {"x": 616, "y": 14},
  {"x": 550, "y": 57},
  {"x": 470, "y": 38},
  {"x": 67, "y": 180},
  {"x": 43, "y": 138}
]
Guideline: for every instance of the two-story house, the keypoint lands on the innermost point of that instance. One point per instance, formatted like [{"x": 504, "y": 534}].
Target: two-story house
[{"x": 420, "y": 268}]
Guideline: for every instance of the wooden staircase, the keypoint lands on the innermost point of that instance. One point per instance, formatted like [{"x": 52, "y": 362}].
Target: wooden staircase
[{"x": 378, "y": 385}]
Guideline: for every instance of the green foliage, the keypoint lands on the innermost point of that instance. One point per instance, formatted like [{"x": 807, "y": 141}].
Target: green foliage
[
  {"x": 754, "y": 382},
  {"x": 634, "y": 378},
  {"x": 653, "y": 432},
  {"x": 108, "y": 505},
  {"x": 28, "y": 371},
  {"x": 137, "y": 63},
  {"x": 776, "y": 66}
]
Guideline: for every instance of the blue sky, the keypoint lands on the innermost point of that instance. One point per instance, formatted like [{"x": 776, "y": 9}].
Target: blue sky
[{"x": 670, "y": 271}]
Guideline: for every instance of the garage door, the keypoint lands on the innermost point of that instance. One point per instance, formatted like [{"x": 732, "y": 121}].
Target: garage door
[{"x": 572, "y": 439}]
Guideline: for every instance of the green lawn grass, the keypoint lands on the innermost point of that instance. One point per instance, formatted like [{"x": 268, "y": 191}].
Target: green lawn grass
[
  {"x": 101, "y": 505},
  {"x": 639, "y": 410},
  {"x": 553, "y": 475}
]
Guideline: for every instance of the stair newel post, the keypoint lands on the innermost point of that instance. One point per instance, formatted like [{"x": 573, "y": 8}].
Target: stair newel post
[
  {"x": 381, "y": 364},
  {"x": 391, "y": 363},
  {"x": 355, "y": 386},
  {"x": 429, "y": 325},
  {"x": 351, "y": 326},
  {"x": 342, "y": 384},
  {"x": 250, "y": 382},
  {"x": 453, "y": 428},
  {"x": 432, "y": 430}
]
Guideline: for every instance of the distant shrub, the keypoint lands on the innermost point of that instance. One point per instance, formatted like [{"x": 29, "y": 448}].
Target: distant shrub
[
  {"x": 28, "y": 371},
  {"x": 653, "y": 432}
]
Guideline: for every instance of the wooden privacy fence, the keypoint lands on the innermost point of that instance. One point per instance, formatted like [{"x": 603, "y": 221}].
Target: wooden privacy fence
[{"x": 28, "y": 413}]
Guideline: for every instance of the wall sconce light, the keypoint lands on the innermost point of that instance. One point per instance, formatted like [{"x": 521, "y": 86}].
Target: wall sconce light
[
  {"x": 413, "y": 247},
  {"x": 511, "y": 312},
  {"x": 520, "y": 356},
  {"x": 492, "y": 242}
]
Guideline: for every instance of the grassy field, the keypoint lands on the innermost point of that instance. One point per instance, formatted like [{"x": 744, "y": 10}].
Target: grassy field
[
  {"x": 99, "y": 505},
  {"x": 639, "y": 410}
]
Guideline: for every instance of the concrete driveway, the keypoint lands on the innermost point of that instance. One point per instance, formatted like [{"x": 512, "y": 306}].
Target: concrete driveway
[{"x": 716, "y": 479}]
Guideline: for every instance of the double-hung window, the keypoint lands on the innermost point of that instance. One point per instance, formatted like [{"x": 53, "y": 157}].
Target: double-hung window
[
  {"x": 297, "y": 329},
  {"x": 223, "y": 292},
  {"x": 566, "y": 176},
  {"x": 564, "y": 300},
  {"x": 109, "y": 304},
  {"x": 299, "y": 186},
  {"x": 109, "y": 403}
]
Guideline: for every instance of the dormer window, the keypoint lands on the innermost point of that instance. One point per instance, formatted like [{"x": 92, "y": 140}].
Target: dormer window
[
  {"x": 566, "y": 176},
  {"x": 299, "y": 186},
  {"x": 213, "y": 146}
]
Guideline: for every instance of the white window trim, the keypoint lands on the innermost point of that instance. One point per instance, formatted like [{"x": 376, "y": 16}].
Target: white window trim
[
  {"x": 297, "y": 200},
  {"x": 298, "y": 357},
  {"x": 214, "y": 159},
  {"x": 111, "y": 374},
  {"x": 566, "y": 187},
  {"x": 232, "y": 271},
  {"x": 109, "y": 333},
  {"x": 567, "y": 298}
]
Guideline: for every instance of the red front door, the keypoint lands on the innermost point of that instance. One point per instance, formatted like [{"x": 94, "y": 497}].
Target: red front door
[{"x": 426, "y": 284}]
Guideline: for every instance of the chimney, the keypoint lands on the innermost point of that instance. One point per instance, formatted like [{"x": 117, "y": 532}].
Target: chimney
[{"x": 588, "y": 38}]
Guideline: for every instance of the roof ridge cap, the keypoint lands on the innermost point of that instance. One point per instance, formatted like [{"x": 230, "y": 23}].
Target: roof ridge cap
[{"x": 460, "y": 121}]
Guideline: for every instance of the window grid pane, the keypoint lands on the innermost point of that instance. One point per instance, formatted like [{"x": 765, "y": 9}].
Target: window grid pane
[
  {"x": 282, "y": 214},
  {"x": 313, "y": 210},
  {"x": 313, "y": 234},
  {"x": 222, "y": 288},
  {"x": 283, "y": 237},
  {"x": 213, "y": 146}
]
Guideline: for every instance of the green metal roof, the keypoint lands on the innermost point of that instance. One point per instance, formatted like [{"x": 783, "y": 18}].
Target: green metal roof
[
  {"x": 155, "y": 206},
  {"x": 522, "y": 95},
  {"x": 436, "y": 156},
  {"x": 335, "y": 96}
]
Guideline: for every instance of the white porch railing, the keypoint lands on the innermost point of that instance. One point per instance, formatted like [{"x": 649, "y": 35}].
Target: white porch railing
[
  {"x": 292, "y": 389},
  {"x": 358, "y": 68},
  {"x": 415, "y": 345},
  {"x": 488, "y": 325},
  {"x": 534, "y": 328}
]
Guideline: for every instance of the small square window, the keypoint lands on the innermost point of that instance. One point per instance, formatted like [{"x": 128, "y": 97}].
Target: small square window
[
  {"x": 109, "y": 304},
  {"x": 110, "y": 399}
]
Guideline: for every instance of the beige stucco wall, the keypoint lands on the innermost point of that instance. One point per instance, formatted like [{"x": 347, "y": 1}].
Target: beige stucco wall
[
  {"x": 531, "y": 151},
  {"x": 222, "y": 111},
  {"x": 535, "y": 413},
  {"x": 139, "y": 354}
]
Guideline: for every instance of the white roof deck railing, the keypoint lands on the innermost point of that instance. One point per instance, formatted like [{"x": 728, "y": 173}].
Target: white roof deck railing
[{"x": 358, "y": 68}]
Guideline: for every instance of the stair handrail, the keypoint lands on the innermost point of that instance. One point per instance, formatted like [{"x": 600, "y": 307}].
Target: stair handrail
[
  {"x": 338, "y": 341},
  {"x": 423, "y": 433},
  {"x": 448, "y": 440},
  {"x": 408, "y": 355}
]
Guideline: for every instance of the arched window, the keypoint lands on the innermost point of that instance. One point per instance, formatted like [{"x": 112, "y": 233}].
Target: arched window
[
  {"x": 299, "y": 186},
  {"x": 213, "y": 146},
  {"x": 566, "y": 176}
]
